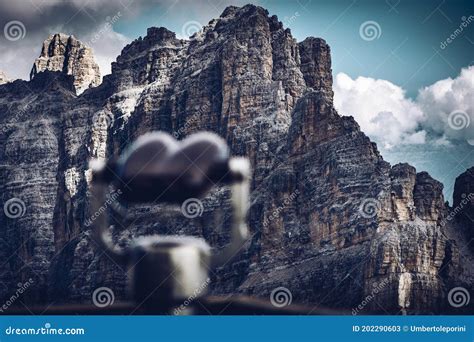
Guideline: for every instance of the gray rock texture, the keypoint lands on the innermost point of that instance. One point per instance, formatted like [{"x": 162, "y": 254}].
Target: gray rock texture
[
  {"x": 65, "y": 53},
  {"x": 330, "y": 220}
]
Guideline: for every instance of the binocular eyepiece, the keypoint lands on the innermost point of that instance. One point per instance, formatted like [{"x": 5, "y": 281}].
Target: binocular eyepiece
[{"x": 157, "y": 168}]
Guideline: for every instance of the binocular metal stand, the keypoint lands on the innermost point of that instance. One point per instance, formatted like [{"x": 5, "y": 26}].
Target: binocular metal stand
[{"x": 165, "y": 271}]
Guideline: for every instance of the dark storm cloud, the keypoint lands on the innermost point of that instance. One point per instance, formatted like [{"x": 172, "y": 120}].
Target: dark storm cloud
[
  {"x": 77, "y": 16},
  {"x": 37, "y": 19}
]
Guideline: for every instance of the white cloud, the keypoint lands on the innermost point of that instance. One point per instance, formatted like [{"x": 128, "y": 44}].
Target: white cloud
[
  {"x": 388, "y": 116},
  {"x": 381, "y": 108},
  {"x": 450, "y": 105}
]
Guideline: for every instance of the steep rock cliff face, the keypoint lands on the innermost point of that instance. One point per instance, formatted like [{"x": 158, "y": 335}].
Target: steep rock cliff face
[
  {"x": 65, "y": 53},
  {"x": 330, "y": 219},
  {"x": 464, "y": 199},
  {"x": 463, "y": 205}
]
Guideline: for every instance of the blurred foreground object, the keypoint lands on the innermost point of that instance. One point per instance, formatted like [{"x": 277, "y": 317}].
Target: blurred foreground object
[{"x": 165, "y": 271}]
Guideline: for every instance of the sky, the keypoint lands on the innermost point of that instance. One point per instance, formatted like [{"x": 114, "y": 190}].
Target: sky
[{"x": 400, "y": 67}]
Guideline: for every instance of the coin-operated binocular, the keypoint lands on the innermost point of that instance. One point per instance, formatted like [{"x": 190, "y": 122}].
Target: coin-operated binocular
[{"x": 166, "y": 270}]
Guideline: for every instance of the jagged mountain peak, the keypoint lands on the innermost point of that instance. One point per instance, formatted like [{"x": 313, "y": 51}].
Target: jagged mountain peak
[
  {"x": 3, "y": 78},
  {"x": 330, "y": 217},
  {"x": 232, "y": 11},
  {"x": 65, "y": 53}
]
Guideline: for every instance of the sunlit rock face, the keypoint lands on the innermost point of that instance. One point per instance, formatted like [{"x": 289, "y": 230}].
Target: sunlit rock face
[
  {"x": 330, "y": 220},
  {"x": 3, "y": 77},
  {"x": 65, "y": 53}
]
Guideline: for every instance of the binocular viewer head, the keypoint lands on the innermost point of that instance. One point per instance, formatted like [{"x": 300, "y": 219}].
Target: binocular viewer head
[{"x": 157, "y": 168}]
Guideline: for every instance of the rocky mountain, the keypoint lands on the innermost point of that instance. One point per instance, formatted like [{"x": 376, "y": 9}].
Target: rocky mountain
[
  {"x": 331, "y": 221},
  {"x": 65, "y": 53},
  {"x": 3, "y": 77}
]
